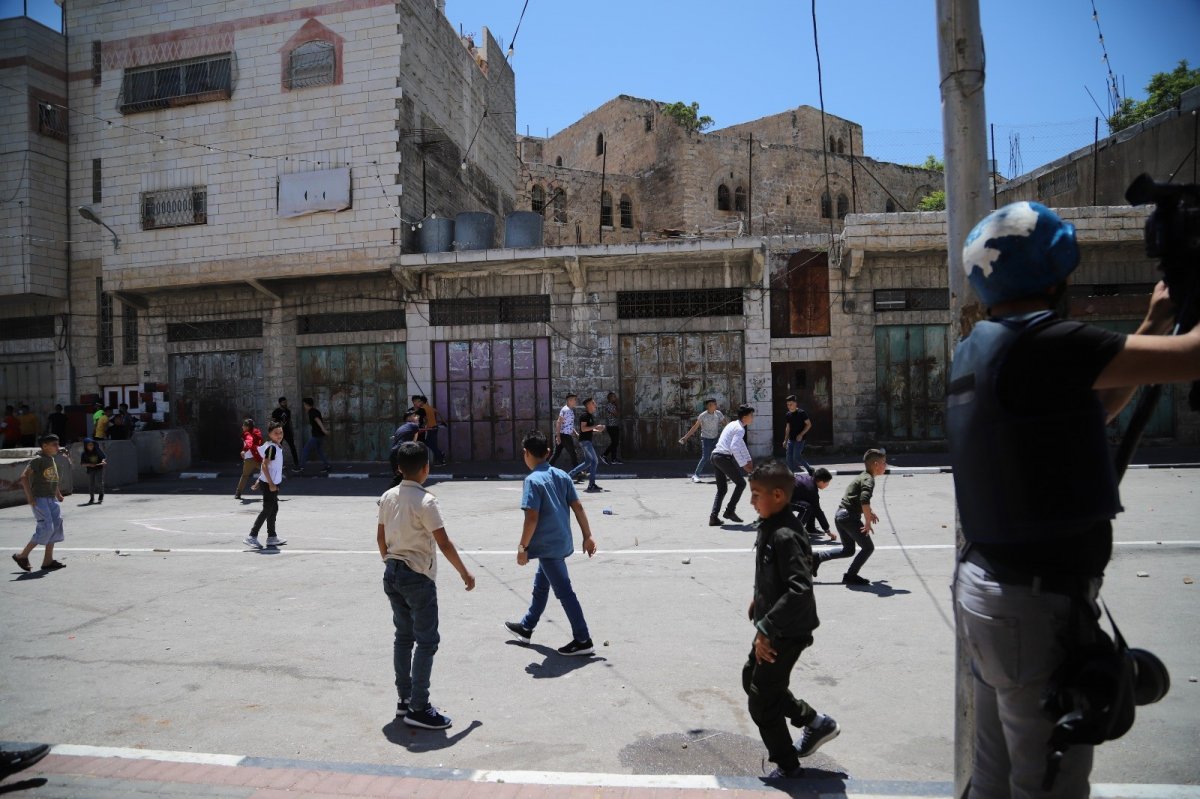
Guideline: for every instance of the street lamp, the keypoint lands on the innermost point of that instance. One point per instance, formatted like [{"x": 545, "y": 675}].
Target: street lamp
[{"x": 90, "y": 215}]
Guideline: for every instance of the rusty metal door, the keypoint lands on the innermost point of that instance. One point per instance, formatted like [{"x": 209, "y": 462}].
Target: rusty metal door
[
  {"x": 812, "y": 383},
  {"x": 665, "y": 379},
  {"x": 491, "y": 392},
  {"x": 361, "y": 391},
  {"x": 211, "y": 393},
  {"x": 910, "y": 381}
]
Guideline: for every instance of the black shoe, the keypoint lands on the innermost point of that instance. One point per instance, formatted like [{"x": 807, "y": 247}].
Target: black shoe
[
  {"x": 713, "y": 521},
  {"x": 811, "y": 739},
  {"x": 854, "y": 579},
  {"x": 100, "y": 501},
  {"x": 731, "y": 516},
  {"x": 593, "y": 490},
  {"x": 12, "y": 762},
  {"x": 427, "y": 719},
  {"x": 519, "y": 631},
  {"x": 786, "y": 774},
  {"x": 401, "y": 708},
  {"x": 328, "y": 469},
  {"x": 816, "y": 564},
  {"x": 577, "y": 648}
]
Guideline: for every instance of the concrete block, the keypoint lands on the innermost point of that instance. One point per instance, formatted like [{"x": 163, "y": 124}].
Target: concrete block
[
  {"x": 122, "y": 468},
  {"x": 13, "y": 463},
  {"x": 162, "y": 451}
]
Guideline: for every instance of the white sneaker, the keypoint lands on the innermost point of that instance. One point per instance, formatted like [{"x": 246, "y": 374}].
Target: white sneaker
[
  {"x": 274, "y": 541},
  {"x": 695, "y": 478},
  {"x": 252, "y": 542}
]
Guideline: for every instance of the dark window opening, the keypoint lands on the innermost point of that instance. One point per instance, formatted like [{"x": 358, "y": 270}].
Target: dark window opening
[
  {"x": 789, "y": 200},
  {"x": 52, "y": 120},
  {"x": 649, "y": 122},
  {"x": 739, "y": 199},
  {"x": 558, "y": 161},
  {"x": 104, "y": 325},
  {"x": 599, "y": 144},
  {"x": 626, "y": 212},
  {"x": 21, "y": 327},
  {"x": 197, "y": 80},
  {"x": 889, "y": 207},
  {"x": 841, "y": 148},
  {"x": 312, "y": 64},
  {"x": 96, "y": 186},
  {"x": 832, "y": 144},
  {"x": 722, "y": 197},
  {"x": 97, "y": 63},
  {"x": 606, "y": 216},
  {"x": 537, "y": 199},
  {"x": 843, "y": 207},
  {"x": 826, "y": 207},
  {"x": 912, "y": 299},
  {"x": 678, "y": 304},
  {"x": 349, "y": 322},
  {"x": 129, "y": 335},
  {"x": 490, "y": 310},
  {"x": 221, "y": 328}
]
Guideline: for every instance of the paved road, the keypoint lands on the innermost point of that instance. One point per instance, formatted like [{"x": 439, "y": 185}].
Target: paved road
[{"x": 210, "y": 648}]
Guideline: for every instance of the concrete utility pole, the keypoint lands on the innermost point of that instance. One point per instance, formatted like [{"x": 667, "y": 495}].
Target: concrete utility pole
[{"x": 964, "y": 131}]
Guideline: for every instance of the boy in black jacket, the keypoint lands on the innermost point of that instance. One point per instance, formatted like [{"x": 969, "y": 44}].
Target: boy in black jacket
[{"x": 784, "y": 613}]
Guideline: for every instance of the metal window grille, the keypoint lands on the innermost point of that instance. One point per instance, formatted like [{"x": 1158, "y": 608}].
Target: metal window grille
[
  {"x": 537, "y": 199},
  {"x": 826, "y": 207},
  {"x": 97, "y": 63},
  {"x": 129, "y": 335},
  {"x": 52, "y": 120},
  {"x": 739, "y": 199},
  {"x": 677, "y": 304},
  {"x": 196, "y": 80},
  {"x": 175, "y": 208},
  {"x": 626, "y": 212},
  {"x": 96, "y": 184},
  {"x": 722, "y": 197},
  {"x": 22, "y": 327},
  {"x": 350, "y": 322},
  {"x": 104, "y": 325},
  {"x": 312, "y": 64},
  {"x": 490, "y": 310},
  {"x": 606, "y": 217},
  {"x": 220, "y": 328},
  {"x": 912, "y": 299}
]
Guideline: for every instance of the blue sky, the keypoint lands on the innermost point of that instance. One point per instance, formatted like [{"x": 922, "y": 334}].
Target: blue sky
[{"x": 743, "y": 60}]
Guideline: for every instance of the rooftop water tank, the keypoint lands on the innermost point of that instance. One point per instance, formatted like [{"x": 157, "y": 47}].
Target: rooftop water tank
[
  {"x": 474, "y": 230},
  {"x": 436, "y": 235}
]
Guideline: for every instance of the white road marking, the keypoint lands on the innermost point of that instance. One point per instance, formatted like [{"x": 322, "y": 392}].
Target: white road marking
[{"x": 77, "y": 750}]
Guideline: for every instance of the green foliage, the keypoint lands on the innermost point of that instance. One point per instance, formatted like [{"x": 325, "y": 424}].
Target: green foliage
[
  {"x": 1162, "y": 92},
  {"x": 688, "y": 117},
  {"x": 934, "y": 201},
  {"x": 932, "y": 162}
]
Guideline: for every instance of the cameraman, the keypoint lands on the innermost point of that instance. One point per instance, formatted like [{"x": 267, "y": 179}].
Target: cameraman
[{"x": 1029, "y": 397}]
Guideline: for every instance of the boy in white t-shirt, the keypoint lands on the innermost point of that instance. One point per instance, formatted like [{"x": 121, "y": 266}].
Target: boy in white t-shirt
[
  {"x": 410, "y": 524},
  {"x": 272, "y": 475}
]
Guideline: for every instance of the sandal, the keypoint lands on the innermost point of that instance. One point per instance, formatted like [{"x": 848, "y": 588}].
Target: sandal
[
  {"x": 53, "y": 565},
  {"x": 22, "y": 562}
]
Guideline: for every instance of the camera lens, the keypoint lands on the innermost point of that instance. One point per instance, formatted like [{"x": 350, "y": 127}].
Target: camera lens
[{"x": 1151, "y": 681}]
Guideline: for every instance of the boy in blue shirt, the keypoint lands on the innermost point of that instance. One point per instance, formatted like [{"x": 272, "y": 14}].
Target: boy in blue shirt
[{"x": 548, "y": 496}]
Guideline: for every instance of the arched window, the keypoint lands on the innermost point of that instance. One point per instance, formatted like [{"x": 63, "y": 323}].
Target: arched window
[
  {"x": 606, "y": 210},
  {"x": 841, "y": 146},
  {"x": 312, "y": 64},
  {"x": 599, "y": 144},
  {"x": 626, "y": 212},
  {"x": 558, "y": 161},
  {"x": 832, "y": 144},
  {"x": 826, "y": 207},
  {"x": 722, "y": 197},
  {"x": 843, "y": 206},
  {"x": 537, "y": 199},
  {"x": 889, "y": 207},
  {"x": 739, "y": 199},
  {"x": 558, "y": 202}
]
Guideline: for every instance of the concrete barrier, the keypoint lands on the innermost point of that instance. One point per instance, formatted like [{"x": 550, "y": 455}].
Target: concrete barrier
[
  {"x": 122, "y": 468},
  {"x": 162, "y": 451},
  {"x": 13, "y": 463}
]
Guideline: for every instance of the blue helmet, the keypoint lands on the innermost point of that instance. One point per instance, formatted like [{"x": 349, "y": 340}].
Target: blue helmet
[{"x": 1018, "y": 251}]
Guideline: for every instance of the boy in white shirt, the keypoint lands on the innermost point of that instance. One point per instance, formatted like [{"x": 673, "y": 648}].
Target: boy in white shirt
[
  {"x": 271, "y": 473},
  {"x": 730, "y": 459},
  {"x": 410, "y": 523}
]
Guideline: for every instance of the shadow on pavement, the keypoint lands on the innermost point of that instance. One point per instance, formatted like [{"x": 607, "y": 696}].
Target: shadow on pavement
[
  {"x": 879, "y": 588},
  {"x": 415, "y": 739},
  {"x": 554, "y": 664},
  {"x": 23, "y": 785},
  {"x": 815, "y": 783}
]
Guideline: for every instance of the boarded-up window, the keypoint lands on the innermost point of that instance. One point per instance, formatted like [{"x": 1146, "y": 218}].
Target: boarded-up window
[
  {"x": 723, "y": 198},
  {"x": 800, "y": 296}
]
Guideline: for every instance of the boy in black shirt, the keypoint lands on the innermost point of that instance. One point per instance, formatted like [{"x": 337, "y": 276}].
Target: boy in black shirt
[
  {"x": 795, "y": 427},
  {"x": 591, "y": 463},
  {"x": 784, "y": 613}
]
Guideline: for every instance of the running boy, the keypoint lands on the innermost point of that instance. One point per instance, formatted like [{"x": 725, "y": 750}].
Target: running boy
[
  {"x": 729, "y": 459},
  {"x": 709, "y": 422},
  {"x": 546, "y": 536},
  {"x": 850, "y": 516},
  {"x": 93, "y": 462},
  {"x": 591, "y": 464},
  {"x": 784, "y": 613},
  {"x": 272, "y": 475},
  {"x": 410, "y": 523},
  {"x": 40, "y": 481}
]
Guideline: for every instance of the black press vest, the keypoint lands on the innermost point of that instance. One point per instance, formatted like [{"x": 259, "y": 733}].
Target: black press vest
[{"x": 1021, "y": 478}]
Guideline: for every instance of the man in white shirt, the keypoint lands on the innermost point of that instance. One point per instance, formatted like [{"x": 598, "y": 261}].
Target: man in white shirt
[
  {"x": 564, "y": 431},
  {"x": 730, "y": 459},
  {"x": 710, "y": 423}
]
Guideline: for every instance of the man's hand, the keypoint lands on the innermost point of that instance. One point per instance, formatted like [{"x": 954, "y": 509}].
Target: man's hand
[
  {"x": 60, "y": 497},
  {"x": 750, "y": 611},
  {"x": 749, "y": 467},
  {"x": 522, "y": 558},
  {"x": 832, "y": 535},
  {"x": 273, "y": 487},
  {"x": 1162, "y": 310},
  {"x": 468, "y": 580},
  {"x": 866, "y": 529},
  {"x": 589, "y": 546},
  {"x": 874, "y": 518},
  {"x": 763, "y": 651}
]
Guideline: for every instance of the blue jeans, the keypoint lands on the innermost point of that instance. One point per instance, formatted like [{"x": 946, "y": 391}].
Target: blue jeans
[
  {"x": 415, "y": 616},
  {"x": 706, "y": 448},
  {"x": 317, "y": 443},
  {"x": 794, "y": 459},
  {"x": 590, "y": 462},
  {"x": 552, "y": 573},
  {"x": 850, "y": 531},
  {"x": 431, "y": 442}
]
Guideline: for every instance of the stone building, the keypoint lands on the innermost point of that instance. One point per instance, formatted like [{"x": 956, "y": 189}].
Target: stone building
[
  {"x": 629, "y": 172},
  {"x": 261, "y": 168}
]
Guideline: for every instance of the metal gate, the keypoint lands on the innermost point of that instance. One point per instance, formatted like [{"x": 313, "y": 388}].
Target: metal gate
[
  {"x": 910, "y": 381},
  {"x": 211, "y": 393},
  {"x": 492, "y": 392},
  {"x": 361, "y": 392},
  {"x": 665, "y": 379},
  {"x": 29, "y": 382}
]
